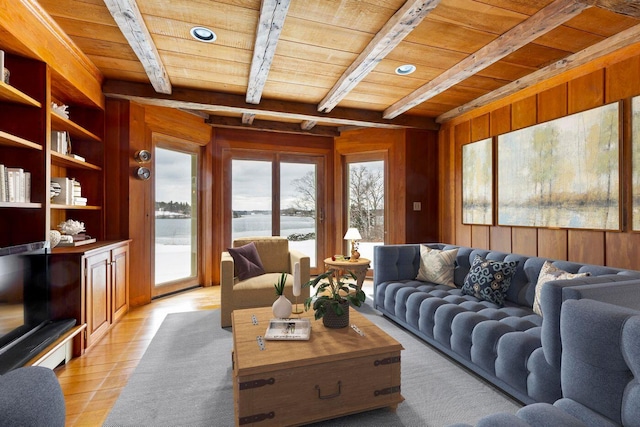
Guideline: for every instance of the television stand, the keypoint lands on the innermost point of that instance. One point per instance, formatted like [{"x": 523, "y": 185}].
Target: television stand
[
  {"x": 34, "y": 344},
  {"x": 58, "y": 352}
]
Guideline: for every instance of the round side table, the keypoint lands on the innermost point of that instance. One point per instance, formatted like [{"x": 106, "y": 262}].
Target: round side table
[{"x": 340, "y": 267}]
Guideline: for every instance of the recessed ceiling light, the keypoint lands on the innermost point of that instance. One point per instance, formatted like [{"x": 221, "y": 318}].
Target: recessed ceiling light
[
  {"x": 406, "y": 69},
  {"x": 203, "y": 34}
]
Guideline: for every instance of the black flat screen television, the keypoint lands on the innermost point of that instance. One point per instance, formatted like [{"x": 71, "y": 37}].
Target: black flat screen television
[
  {"x": 24, "y": 293},
  {"x": 26, "y": 326}
]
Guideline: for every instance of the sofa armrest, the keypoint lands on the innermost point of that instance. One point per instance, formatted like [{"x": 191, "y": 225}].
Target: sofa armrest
[
  {"x": 609, "y": 288},
  {"x": 623, "y": 294},
  {"x": 226, "y": 288},
  {"x": 395, "y": 262}
]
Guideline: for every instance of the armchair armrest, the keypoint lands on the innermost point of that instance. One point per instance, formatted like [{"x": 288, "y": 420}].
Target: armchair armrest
[{"x": 226, "y": 288}]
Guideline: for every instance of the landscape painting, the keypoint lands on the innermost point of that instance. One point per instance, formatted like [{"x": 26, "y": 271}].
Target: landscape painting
[
  {"x": 477, "y": 188},
  {"x": 635, "y": 144},
  {"x": 563, "y": 173}
]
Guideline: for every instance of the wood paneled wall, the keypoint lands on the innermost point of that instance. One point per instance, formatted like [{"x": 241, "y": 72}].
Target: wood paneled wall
[
  {"x": 129, "y": 206},
  {"x": 614, "y": 78},
  {"x": 412, "y": 176},
  {"x": 422, "y": 186}
]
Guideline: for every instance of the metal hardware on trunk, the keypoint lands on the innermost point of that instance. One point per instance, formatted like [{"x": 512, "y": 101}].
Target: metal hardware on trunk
[
  {"x": 254, "y": 319},
  {"x": 329, "y": 396},
  {"x": 260, "y": 341},
  {"x": 387, "y": 361},
  {"x": 256, "y": 418},
  {"x": 256, "y": 383},
  {"x": 388, "y": 390}
]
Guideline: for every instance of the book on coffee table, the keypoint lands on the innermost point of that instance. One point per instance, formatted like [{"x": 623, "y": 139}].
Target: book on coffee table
[{"x": 288, "y": 329}]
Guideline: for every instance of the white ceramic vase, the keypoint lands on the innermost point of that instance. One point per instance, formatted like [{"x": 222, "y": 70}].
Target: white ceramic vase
[{"x": 281, "y": 308}]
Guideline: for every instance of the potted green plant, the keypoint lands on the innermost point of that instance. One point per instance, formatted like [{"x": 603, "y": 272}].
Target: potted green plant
[{"x": 333, "y": 296}]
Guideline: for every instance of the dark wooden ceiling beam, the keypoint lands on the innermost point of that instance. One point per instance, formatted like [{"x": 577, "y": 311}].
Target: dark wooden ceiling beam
[
  {"x": 623, "y": 7},
  {"x": 272, "y": 16},
  {"x": 392, "y": 33},
  {"x": 215, "y": 102},
  {"x": 623, "y": 39},
  {"x": 548, "y": 18},
  {"x": 271, "y": 126},
  {"x": 129, "y": 20}
]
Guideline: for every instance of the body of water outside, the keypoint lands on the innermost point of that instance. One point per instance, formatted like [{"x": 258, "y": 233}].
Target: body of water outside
[{"x": 173, "y": 241}]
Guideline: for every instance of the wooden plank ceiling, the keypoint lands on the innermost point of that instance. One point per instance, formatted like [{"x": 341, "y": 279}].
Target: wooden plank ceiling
[{"x": 317, "y": 66}]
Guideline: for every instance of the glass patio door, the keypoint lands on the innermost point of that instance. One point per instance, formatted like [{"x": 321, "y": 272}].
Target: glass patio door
[
  {"x": 366, "y": 203},
  {"x": 298, "y": 207},
  {"x": 176, "y": 220},
  {"x": 277, "y": 196}
]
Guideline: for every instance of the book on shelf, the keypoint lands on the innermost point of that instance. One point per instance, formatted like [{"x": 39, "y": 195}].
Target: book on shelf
[
  {"x": 66, "y": 191},
  {"x": 288, "y": 329},
  {"x": 77, "y": 242},
  {"x": 60, "y": 142},
  {"x": 27, "y": 187},
  {"x": 4, "y": 197},
  {"x": 15, "y": 185},
  {"x": 78, "y": 157},
  {"x": 79, "y": 201}
]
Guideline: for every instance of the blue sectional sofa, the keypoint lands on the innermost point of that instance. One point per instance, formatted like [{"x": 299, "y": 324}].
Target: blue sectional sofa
[
  {"x": 511, "y": 346},
  {"x": 600, "y": 372}
]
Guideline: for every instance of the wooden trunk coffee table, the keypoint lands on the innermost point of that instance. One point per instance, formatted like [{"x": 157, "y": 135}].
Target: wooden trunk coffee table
[{"x": 336, "y": 372}]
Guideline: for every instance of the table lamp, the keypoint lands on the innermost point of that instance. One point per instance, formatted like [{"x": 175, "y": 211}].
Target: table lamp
[{"x": 353, "y": 234}]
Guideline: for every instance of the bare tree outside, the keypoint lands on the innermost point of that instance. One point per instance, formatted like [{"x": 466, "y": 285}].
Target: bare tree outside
[
  {"x": 366, "y": 201},
  {"x": 305, "y": 202}
]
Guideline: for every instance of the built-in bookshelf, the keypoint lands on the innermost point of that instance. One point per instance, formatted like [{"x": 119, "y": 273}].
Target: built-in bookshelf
[{"x": 26, "y": 123}]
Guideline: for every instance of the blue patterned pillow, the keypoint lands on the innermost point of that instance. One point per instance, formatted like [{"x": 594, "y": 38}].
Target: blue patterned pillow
[{"x": 489, "y": 280}]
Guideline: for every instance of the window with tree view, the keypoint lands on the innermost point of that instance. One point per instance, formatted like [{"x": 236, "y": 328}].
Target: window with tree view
[{"x": 366, "y": 200}]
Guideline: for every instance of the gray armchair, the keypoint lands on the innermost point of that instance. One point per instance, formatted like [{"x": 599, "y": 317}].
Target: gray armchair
[
  {"x": 600, "y": 371},
  {"x": 31, "y": 396},
  {"x": 258, "y": 291}
]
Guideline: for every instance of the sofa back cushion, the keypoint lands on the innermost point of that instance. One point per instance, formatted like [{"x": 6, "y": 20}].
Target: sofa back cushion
[
  {"x": 522, "y": 288},
  {"x": 273, "y": 251}
]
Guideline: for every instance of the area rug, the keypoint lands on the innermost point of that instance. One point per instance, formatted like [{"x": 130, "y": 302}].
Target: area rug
[{"x": 184, "y": 379}]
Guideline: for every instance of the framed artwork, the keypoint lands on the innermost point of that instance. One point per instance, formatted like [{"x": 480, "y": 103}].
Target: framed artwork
[
  {"x": 477, "y": 182},
  {"x": 635, "y": 169},
  {"x": 562, "y": 174}
]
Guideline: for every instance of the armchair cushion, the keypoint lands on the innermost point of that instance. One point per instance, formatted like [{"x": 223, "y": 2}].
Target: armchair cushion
[{"x": 246, "y": 261}]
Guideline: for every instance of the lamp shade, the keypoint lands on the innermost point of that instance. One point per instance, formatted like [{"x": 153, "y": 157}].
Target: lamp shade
[{"x": 352, "y": 234}]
